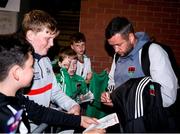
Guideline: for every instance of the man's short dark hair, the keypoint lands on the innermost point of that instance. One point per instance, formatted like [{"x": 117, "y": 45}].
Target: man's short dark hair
[
  {"x": 118, "y": 25},
  {"x": 13, "y": 51}
]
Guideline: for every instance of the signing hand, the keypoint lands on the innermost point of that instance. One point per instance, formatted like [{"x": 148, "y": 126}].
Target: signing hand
[{"x": 105, "y": 99}]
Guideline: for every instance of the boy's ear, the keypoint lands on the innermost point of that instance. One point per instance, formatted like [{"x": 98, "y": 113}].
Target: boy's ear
[
  {"x": 30, "y": 35},
  {"x": 131, "y": 38},
  {"x": 16, "y": 72},
  {"x": 60, "y": 64},
  {"x": 72, "y": 47}
]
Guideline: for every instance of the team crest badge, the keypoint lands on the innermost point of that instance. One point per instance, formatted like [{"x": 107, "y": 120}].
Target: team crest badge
[
  {"x": 151, "y": 90},
  {"x": 131, "y": 70}
]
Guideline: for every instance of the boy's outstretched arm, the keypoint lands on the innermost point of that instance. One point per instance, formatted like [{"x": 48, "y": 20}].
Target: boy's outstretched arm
[{"x": 40, "y": 114}]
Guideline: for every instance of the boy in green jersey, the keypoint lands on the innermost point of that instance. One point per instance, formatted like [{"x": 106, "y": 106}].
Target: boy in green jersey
[{"x": 73, "y": 85}]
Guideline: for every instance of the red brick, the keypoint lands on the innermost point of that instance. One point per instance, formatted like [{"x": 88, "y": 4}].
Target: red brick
[
  {"x": 169, "y": 20},
  {"x": 160, "y": 18},
  {"x": 130, "y": 1},
  {"x": 96, "y": 10},
  {"x": 154, "y": 8},
  {"x": 112, "y": 11},
  {"x": 160, "y": 14},
  {"x": 105, "y": 4},
  {"x": 170, "y": 9},
  {"x": 141, "y": 7},
  {"x": 161, "y": 25}
]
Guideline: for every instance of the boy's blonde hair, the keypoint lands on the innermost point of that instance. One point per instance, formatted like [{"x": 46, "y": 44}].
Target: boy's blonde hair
[{"x": 37, "y": 20}]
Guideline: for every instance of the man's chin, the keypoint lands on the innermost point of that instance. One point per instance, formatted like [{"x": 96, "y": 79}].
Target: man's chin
[
  {"x": 125, "y": 54},
  {"x": 121, "y": 55}
]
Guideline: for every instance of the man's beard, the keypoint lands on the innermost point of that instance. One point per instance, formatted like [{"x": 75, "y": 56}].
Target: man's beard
[{"x": 126, "y": 54}]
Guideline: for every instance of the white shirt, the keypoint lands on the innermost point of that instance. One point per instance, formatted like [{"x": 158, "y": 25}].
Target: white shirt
[{"x": 84, "y": 68}]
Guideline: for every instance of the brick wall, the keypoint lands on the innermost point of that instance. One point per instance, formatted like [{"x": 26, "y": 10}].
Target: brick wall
[{"x": 159, "y": 18}]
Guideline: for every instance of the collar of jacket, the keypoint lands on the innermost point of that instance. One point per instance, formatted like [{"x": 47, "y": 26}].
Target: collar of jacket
[{"x": 38, "y": 57}]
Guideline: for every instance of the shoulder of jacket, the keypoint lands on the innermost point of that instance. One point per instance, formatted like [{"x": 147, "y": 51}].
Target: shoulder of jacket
[{"x": 154, "y": 47}]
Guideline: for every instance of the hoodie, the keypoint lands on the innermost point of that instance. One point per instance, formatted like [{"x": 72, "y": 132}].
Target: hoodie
[
  {"x": 161, "y": 70},
  {"x": 130, "y": 64}
]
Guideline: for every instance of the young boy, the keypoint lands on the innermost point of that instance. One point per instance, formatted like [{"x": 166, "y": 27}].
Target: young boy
[
  {"x": 40, "y": 29},
  {"x": 78, "y": 44},
  {"x": 73, "y": 85},
  {"x": 16, "y": 69}
]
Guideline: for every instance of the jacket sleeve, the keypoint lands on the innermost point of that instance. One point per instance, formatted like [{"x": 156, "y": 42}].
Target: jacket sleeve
[
  {"x": 59, "y": 97},
  {"x": 5, "y": 115},
  {"x": 111, "y": 73},
  {"x": 41, "y": 114},
  {"x": 162, "y": 73}
]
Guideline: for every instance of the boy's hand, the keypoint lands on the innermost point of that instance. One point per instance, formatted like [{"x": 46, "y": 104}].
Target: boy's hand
[
  {"x": 88, "y": 77},
  {"x": 75, "y": 110},
  {"x": 95, "y": 131},
  {"x": 65, "y": 63},
  {"x": 107, "y": 70},
  {"x": 105, "y": 99},
  {"x": 87, "y": 121}
]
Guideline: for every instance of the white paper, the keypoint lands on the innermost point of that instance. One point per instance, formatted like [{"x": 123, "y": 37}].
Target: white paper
[
  {"x": 87, "y": 97},
  {"x": 105, "y": 122},
  {"x": 67, "y": 132}
]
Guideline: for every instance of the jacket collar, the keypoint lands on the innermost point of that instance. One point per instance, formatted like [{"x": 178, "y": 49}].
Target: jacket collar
[{"x": 38, "y": 57}]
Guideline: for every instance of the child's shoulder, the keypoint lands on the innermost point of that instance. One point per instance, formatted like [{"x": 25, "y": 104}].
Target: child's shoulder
[
  {"x": 85, "y": 56},
  {"x": 62, "y": 71}
]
